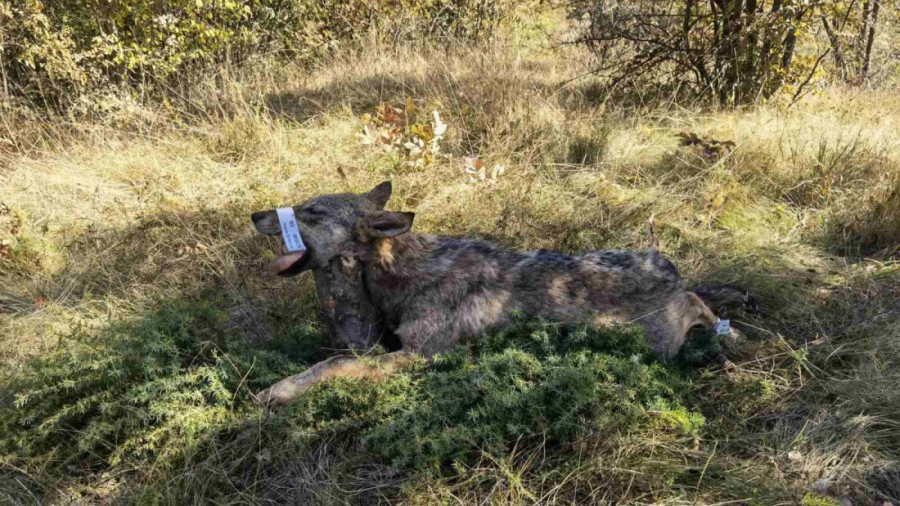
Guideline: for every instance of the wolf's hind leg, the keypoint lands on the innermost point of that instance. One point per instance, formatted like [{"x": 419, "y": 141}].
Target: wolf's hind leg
[
  {"x": 667, "y": 329},
  {"x": 374, "y": 368}
]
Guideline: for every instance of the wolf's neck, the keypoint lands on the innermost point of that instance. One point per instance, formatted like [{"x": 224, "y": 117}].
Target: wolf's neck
[{"x": 394, "y": 254}]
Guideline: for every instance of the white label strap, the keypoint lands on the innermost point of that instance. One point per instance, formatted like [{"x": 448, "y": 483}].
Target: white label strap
[
  {"x": 722, "y": 327},
  {"x": 290, "y": 231}
]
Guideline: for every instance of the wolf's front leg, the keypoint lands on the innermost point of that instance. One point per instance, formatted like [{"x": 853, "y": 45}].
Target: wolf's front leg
[{"x": 291, "y": 388}]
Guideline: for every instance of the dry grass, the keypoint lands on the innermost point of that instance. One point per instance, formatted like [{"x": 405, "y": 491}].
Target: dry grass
[{"x": 111, "y": 213}]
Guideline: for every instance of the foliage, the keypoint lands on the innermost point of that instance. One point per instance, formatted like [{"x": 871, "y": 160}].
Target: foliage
[
  {"x": 851, "y": 28},
  {"x": 161, "y": 390},
  {"x": 54, "y": 50},
  {"x": 813, "y": 499},
  {"x": 737, "y": 50},
  {"x": 531, "y": 385},
  {"x": 532, "y": 381},
  {"x": 397, "y": 129},
  {"x": 96, "y": 221},
  {"x": 338, "y": 20}
]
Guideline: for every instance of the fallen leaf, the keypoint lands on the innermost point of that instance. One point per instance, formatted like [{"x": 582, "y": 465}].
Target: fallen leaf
[{"x": 439, "y": 126}]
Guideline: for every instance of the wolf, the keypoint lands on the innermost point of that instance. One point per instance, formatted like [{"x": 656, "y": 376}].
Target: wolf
[{"x": 434, "y": 292}]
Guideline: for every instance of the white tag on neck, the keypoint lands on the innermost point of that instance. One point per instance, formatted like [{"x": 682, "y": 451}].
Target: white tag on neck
[{"x": 290, "y": 231}]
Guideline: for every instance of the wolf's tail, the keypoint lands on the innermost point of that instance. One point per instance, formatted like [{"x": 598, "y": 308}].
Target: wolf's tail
[{"x": 722, "y": 298}]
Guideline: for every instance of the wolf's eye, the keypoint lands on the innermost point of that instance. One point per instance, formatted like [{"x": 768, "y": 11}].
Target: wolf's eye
[{"x": 314, "y": 211}]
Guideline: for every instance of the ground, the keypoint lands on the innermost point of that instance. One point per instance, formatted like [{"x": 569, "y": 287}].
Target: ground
[{"x": 136, "y": 312}]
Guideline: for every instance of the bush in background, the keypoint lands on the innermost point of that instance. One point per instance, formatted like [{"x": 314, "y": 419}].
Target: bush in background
[
  {"x": 52, "y": 50},
  {"x": 737, "y": 51}
]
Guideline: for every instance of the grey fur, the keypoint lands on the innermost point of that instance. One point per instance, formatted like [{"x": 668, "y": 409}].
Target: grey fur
[{"x": 437, "y": 291}]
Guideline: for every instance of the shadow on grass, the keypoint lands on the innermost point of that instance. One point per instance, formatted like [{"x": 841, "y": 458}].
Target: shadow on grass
[
  {"x": 490, "y": 93},
  {"x": 194, "y": 324},
  {"x": 169, "y": 254}
]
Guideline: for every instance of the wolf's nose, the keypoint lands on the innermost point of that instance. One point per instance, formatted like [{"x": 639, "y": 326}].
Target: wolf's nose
[{"x": 258, "y": 215}]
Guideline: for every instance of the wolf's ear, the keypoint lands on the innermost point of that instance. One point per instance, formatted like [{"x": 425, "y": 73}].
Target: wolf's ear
[
  {"x": 379, "y": 195},
  {"x": 385, "y": 224}
]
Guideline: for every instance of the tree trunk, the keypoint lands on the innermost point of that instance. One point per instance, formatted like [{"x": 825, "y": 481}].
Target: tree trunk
[
  {"x": 864, "y": 28},
  {"x": 728, "y": 52},
  {"x": 353, "y": 322},
  {"x": 764, "y": 65},
  {"x": 836, "y": 54},
  {"x": 871, "y": 39},
  {"x": 790, "y": 41},
  {"x": 695, "y": 60},
  {"x": 717, "y": 39},
  {"x": 5, "y": 80},
  {"x": 750, "y": 50}
]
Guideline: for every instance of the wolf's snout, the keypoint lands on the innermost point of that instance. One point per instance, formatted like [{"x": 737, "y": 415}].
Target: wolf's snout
[{"x": 258, "y": 215}]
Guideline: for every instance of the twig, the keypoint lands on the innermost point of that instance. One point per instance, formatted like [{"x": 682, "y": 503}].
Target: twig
[
  {"x": 809, "y": 77},
  {"x": 705, "y": 466},
  {"x": 654, "y": 240}
]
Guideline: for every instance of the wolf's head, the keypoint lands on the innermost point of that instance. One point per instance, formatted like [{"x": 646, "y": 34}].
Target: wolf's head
[{"x": 334, "y": 223}]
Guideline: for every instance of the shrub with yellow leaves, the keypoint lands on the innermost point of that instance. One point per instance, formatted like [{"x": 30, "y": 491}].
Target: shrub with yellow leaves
[{"x": 396, "y": 129}]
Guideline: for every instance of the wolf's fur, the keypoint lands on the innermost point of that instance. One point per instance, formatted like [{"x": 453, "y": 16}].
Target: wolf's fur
[{"x": 437, "y": 291}]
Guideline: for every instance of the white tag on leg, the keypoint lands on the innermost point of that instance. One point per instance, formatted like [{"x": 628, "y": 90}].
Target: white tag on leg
[
  {"x": 290, "y": 231},
  {"x": 722, "y": 327}
]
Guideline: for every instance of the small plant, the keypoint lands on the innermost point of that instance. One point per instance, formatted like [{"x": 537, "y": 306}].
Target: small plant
[
  {"x": 477, "y": 171},
  {"x": 397, "y": 129},
  {"x": 814, "y": 499}
]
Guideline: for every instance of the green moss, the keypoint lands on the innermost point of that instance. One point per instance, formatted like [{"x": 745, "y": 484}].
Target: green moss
[{"x": 813, "y": 499}]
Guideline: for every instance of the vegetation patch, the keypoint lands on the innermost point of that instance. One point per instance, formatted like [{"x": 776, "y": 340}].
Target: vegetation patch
[
  {"x": 532, "y": 382},
  {"x": 170, "y": 389},
  {"x": 143, "y": 391}
]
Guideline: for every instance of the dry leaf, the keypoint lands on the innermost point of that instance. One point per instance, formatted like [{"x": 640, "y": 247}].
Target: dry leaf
[
  {"x": 394, "y": 129},
  {"x": 439, "y": 126},
  {"x": 472, "y": 164}
]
